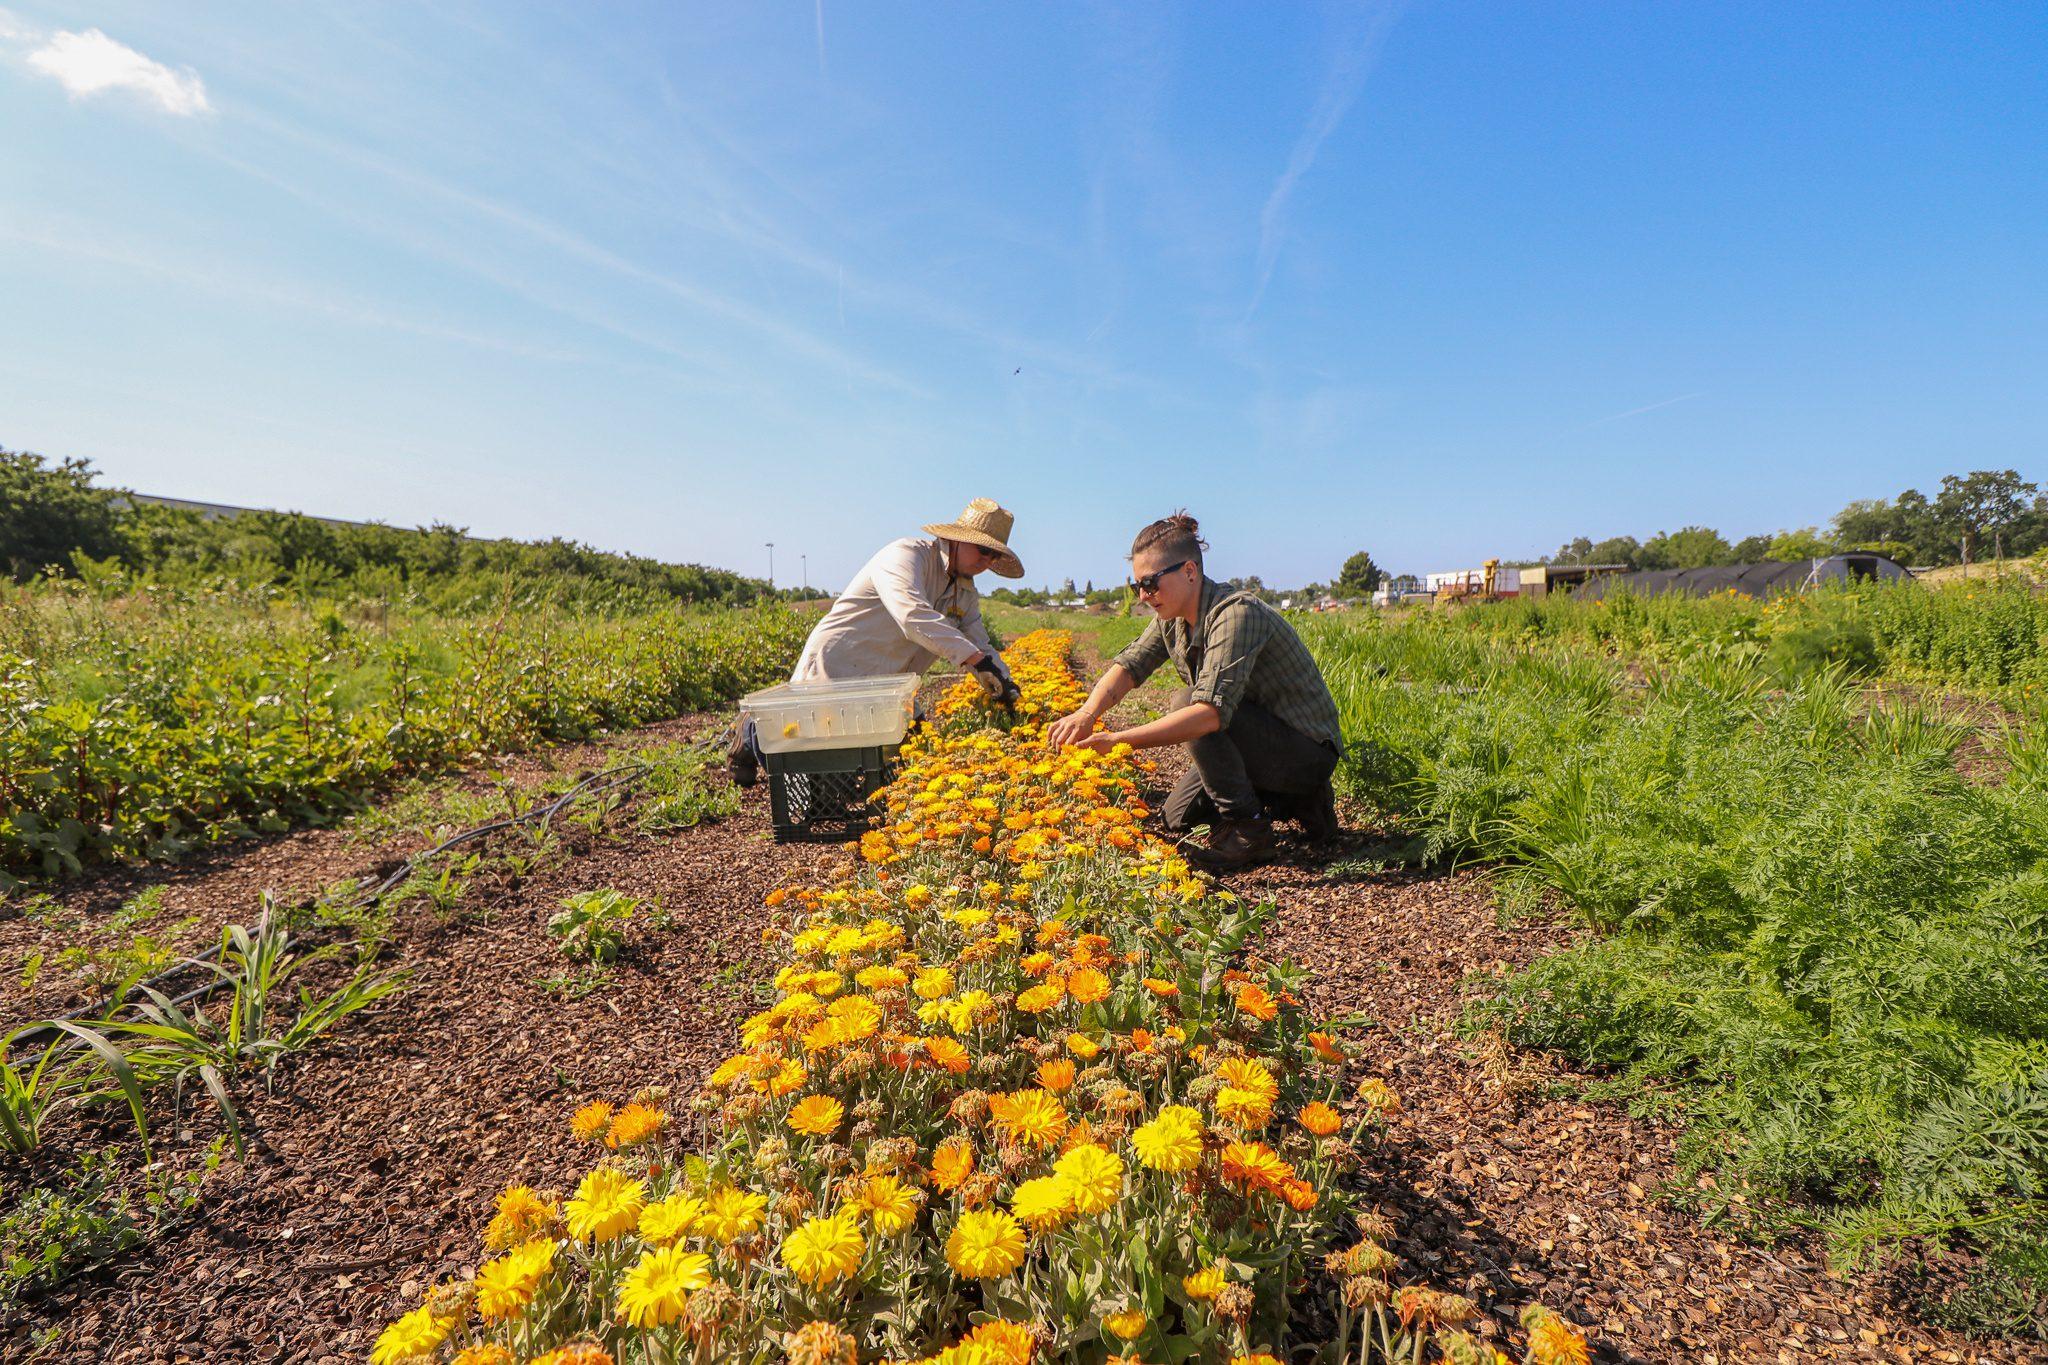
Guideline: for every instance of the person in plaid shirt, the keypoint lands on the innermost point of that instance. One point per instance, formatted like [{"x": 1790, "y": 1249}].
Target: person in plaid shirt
[{"x": 1258, "y": 720}]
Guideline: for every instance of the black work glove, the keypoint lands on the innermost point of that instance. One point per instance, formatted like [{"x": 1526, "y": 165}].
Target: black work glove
[{"x": 994, "y": 676}]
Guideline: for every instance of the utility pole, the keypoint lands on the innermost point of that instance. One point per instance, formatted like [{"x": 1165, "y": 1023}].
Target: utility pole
[
  {"x": 807, "y": 573},
  {"x": 771, "y": 564}
]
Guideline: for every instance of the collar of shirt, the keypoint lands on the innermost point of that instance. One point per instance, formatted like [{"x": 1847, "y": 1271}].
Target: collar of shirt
[{"x": 1194, "y": 634}]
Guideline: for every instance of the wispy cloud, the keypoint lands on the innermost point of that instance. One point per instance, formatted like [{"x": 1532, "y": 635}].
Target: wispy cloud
[
  {"x": 821, "y": 41},
  {"x": 214, "y": 279},
  {"x": 768, "y": 325},
  {"x": 1638, "y": 412},
  {"x": 91, "y": 63},
  {"x": 1353, "y": 60}
]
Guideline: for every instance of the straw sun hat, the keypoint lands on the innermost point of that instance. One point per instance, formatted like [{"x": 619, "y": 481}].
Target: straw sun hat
[{"x": 987, "y": 525}]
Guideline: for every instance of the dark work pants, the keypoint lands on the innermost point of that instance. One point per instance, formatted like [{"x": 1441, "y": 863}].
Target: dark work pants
[{"x": 1256, "y": 760}]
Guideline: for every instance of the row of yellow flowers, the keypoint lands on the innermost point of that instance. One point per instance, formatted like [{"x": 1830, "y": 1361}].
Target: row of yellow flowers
[{"x": 1022, "y": 1094}]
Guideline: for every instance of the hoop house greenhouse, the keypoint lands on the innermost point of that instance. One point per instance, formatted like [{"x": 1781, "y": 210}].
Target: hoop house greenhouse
[{"x": 1751, "y": 580}]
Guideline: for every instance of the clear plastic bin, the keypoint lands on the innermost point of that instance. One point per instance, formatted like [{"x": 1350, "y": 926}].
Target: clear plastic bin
[{"x": 852, "y": 713}]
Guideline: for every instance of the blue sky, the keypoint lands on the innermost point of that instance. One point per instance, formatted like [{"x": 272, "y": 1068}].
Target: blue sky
[{"x": 1436, "y": 280}]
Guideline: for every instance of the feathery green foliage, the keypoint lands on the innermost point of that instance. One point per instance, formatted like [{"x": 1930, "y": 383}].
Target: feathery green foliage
[{"x": 1831, "y": 943}]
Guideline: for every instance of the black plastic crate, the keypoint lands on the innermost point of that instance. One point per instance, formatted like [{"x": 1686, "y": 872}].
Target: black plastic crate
[{"x": 823, "y": 793}]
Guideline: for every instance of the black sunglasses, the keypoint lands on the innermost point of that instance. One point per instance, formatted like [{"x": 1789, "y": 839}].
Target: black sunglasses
[{"x": 1149, "y": 584}]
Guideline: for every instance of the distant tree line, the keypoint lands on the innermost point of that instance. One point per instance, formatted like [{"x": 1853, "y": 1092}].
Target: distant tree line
[
  {"x": 1982, "y": 515},
  {"x": 55, "y": 518}
]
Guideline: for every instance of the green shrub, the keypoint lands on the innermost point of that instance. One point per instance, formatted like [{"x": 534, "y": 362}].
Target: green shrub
[{"x": 177, "y": 721}]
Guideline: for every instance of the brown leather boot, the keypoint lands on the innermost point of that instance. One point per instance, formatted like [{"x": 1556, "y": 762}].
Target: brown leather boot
[
  {"x": 1318, "y": 816},
  {"x": 1235, "y": 844}
]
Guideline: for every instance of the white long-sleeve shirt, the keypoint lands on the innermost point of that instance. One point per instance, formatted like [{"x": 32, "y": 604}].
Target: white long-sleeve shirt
[{"x": 902, "y": 612}]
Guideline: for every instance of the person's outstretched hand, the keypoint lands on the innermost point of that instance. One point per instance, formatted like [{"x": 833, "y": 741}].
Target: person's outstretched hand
[{"x": 1069, "y": 729}]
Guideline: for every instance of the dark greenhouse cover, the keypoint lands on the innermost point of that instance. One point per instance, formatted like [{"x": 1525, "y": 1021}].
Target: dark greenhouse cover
[{"x": 1751, "y": 580}]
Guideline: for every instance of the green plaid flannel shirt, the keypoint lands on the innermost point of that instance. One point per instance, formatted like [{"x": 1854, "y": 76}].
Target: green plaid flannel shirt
[{"x": 1240, "y": 650}]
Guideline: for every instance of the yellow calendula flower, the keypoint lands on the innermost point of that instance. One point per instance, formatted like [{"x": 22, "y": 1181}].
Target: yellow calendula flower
[
  {"x": 1094, "y": 1177},
  {"x": 933, "y": 983},
  {"x": 1043, "y": 1204},
  {"x": 671, "y": 1218},
  {"x": 606, "y": 1205},
  {"x": 635, "y": 1124},
  {"x": 824, "y": 1250},
  {"x": 891, "y": 1205},
  {"x": 1129, "y": 1324},
  {"x": 521, "y": 1215},
  {"x": 1082, "y": 1046},
  {"x": 505, "y": 1286},
  {"x": 985, "y": 1244},
  {"x": 1171, "y": 1141},
  {"x": 1204, "y": 1284},
  {"x": 657, "y": 1289},
  {"x": 1249, "y": 1073},
  {"x": 1057, "y": 1075},
  {"x": 1040, "y": 998},
  {"x": 731, "y": 1213},
  {"x": 1245, "y": 1108},
  {"x": 412, "y": 1337},
  {"x": 1088, "y": 985},
  {"x": 880, "y": 978}
]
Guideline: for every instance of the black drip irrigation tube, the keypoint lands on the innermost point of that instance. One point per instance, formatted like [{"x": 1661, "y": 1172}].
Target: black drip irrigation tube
[{"x": 610, "y": 779}]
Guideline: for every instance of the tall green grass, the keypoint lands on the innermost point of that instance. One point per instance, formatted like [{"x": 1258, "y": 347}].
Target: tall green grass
[{"x": 1810, "y": 928}]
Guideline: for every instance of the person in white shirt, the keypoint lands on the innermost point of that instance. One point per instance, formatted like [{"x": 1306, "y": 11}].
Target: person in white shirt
[{"x": 911, "y": 605}]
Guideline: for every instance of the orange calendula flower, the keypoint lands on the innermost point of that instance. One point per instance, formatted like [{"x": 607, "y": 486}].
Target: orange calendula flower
[
  {"x": 1254, "y": 1165},
  {"x": 1319, "y": 1118},
  {"x": 635, "y": 1124},
  {"x": 952, "y": 1163},
  {"x": 948, "y": 1053},
  {"x": 1088, "y": 985},
  {"x": 1056, "y": 1076},
  {"x": 1030, "y": 1117},
  {"x": 817, "y": 1115},
  {"x": 1326, "y": 1047},
  {"x": 591, "y": 1121},
  {"x": 1254, "y": 1000}
]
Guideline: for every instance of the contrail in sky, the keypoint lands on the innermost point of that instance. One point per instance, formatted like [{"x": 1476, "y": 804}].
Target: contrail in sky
[{"x": 1638, "y": 412}]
